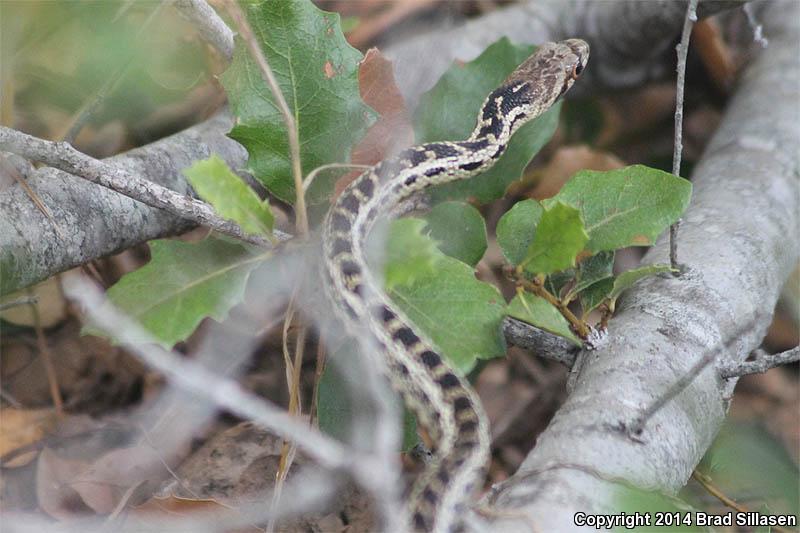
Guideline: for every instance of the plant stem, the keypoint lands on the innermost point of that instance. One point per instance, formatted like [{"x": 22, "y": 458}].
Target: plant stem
[{"x": 537, "y": 287}]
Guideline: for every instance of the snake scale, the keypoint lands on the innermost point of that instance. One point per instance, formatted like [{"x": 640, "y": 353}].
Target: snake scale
[{"x": 443, "y": 401}]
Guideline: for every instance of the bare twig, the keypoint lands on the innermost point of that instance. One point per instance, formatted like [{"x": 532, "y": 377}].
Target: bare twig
[
  {"x": 249, "y": 37},
  {"x": 196, "y": 379},
  {"x": 712, "y": 489},
  {"x": 726, "y": 371},
  {"x": 758, "y": 29},
  {"x": 210, "y": 26},
  {"x": 536, "y": 287},
  {"x": 18, "y": 302},
  {"x": 314, "y": 173},
  {"x": 64, "y": 157},
  {"x": 540, "y": 342},
  {"x": 683, "y": 50},
  {"x": 319, "y": 368},
  {"x": 5, "y": 166},
  {"x": 636, "y": 427},
  {"x": 47, "y": 357},
  {"x": 14, "y": 403},
  {"x": 293, "y": 368},
  {"x": 762, "y": 363}
]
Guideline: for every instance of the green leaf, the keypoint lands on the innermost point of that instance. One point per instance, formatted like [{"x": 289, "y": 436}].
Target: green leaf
[
  {"x": 410, "y": 254},
  {"x": 460, "y": 231},
  {"x": 628, "y": 278},
  {"x": 539, "y": 312},
  {"x": 449, "y": 112},
  {"x": 594, "y": 294},
  {"x": 317, "y": 72},
  {"x": 625, "y": 207},
  {"x": 593, "y": 269},
  {"x": 460, "y": 314},
  {"x": 231, "y": 197},
  {"x": 559, "y": 238},
  {"x": 516, "y": 228},
  {"x": 555, "y": 282},
  {"x": 182, "y": 284}
]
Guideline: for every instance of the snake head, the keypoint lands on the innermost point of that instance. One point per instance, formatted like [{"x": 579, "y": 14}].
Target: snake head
[{"x": 551, "y": 70}]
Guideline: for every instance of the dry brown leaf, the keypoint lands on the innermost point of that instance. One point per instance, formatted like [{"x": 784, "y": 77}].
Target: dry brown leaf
[
  {"x": 66, "y": 483},
  {"x": 117, "y": 471},
  {"x": 22, "y": 427},
  {"x": 393, "y": 128},
  {"x": 564, "y": 164},
  {"x": 53, "y": 490},
  {"x": 715, "y": 54}
]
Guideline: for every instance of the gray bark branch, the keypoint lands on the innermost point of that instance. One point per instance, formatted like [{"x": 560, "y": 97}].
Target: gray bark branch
[
  {"x": 736, "y": 244},
  {"x": 62, "y": 156},
  {"x": 101, "y": 221},
  {"x": 762, "y": 363},
  {"x": 209, "y": 25}
]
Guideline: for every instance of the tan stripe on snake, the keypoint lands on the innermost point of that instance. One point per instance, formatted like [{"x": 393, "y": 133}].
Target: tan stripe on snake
[{"x": 443, "y": 401}]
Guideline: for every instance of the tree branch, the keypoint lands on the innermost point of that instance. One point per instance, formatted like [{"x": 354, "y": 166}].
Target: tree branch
[
  {"x": 735, "y": 246},
  {"x": 762, "y": 363},
  {"x": 210, "y": 26},
  {"x": 63, "y": 156},
  {"x": 101, "y": 221},
  {"x": 198, "y": 380},
  {"x": 541, "y": 343}
]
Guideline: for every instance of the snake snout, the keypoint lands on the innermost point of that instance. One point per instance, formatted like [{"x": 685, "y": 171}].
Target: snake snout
[{"x": 580, "y": 48}]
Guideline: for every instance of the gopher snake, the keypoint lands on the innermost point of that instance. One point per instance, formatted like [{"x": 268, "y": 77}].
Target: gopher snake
[{"x": 444, "y": 403}]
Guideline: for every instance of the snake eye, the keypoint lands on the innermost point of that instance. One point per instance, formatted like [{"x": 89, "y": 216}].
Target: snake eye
[{"x": 576, "y": 70}]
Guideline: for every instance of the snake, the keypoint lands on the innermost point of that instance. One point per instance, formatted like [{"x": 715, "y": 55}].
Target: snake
[{"x": 440, "y": 397}]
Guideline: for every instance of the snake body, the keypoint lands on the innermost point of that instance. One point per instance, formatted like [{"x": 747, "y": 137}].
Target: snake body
[{"x": 443, "y": 401}]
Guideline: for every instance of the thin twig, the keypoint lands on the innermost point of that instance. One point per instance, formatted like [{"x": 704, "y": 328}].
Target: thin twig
[
  {"x": 288, "y": 450},
  {"x": 47, "y": 357},
  {"x": 18, "y": 302},
  {"x": 758, "y": 29},
  {"x": 705, "y": 481},
  {"x": 64, "y": 157},
  {"x": 541, "y": 343},
  {"x": 14, "y": 403},
  {"x": 6, "y": 166},
  {"x": 762, "y": 363},
  {"x": 636, "y": 427},
  {"x": 683, "y": 50},
  {"x": 254, "y": 47},
  {"x": 314, "y": 173},
  {"x": 223, "y": 392},
  {"x": 209, "y": 25},
  {"x": 536, "y": 287},
  {"x": 319, "y": 368}
]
